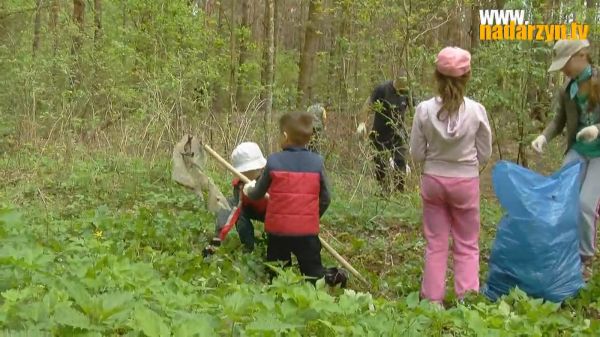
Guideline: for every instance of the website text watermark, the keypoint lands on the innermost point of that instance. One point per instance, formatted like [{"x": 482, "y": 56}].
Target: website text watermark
[{"x": 503, "y": 25}]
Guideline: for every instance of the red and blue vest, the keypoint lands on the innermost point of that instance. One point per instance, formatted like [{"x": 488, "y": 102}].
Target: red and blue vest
[{"x": 298, "y": 194}]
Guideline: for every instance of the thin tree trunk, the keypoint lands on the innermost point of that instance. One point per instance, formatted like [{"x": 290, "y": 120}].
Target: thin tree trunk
[
  {"x": 590, "y": 19},
  {"x": 78, "y": 17},
  {"x": 341, "y": 61},
  {"x": 54, "y": 24},
  {"x": 474, "y": 33},
  {"x": 265, "y": 50},
  {"x": 243, "y": 48},
  {"x": 97, "y": 20},
  {"x": 37, "y": 26},
  {"x": 276, "y": 28},
  {"x": 220, "y": 15},
  {"x": 232, "y": 63},
  {"x": 270, "y": 71},
  {"x": 311, "y": 42}
]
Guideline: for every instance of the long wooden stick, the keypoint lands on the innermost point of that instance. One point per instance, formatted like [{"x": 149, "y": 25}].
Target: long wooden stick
[
  {"x": 343, "y": 261},
  {"x": 330, "y": 249}
]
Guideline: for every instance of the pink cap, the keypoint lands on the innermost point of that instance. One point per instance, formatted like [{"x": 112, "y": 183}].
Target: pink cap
[{"x": 453, "y": 61}]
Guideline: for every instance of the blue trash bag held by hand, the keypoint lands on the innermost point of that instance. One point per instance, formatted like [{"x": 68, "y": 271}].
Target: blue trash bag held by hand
[{"x": 537, "y": 242}]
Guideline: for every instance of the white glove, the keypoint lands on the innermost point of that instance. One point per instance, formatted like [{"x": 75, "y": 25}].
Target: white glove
[
  {"x": 361, "y": 129},
  {"x": 538, "y": 143},
  {"x": 408, "y": 169},
  {"x": 392, "y": 163},
  {"x": 588, "y": 134},
  {"x": 249, "y": 187}
]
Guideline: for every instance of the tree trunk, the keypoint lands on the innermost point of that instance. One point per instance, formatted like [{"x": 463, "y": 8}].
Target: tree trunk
[
  {"x": 590, "y": 19},
  {"x": 265, "y": 50},
  {"x": 243, "y": 48},
  {"x": 341, "y": 59},
  {"x": 269, "y": 71},
  {"x": 78, "y": 17},
  {"x": 97, "y": 20},
  {"x": 311, "y": 42},
  {"x": 37, "y": 26},
  {"x": 276, "y": 27},
  {"x": 474, "y": 33},
  {"x": 54, "y": 24},
  {"x": 232, "y": 63},
  {"x": 220, "y": 15}
]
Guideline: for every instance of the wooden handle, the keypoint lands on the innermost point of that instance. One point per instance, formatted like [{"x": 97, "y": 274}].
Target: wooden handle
[
  {"x": 330, "y": 249},
  {"x": 343, "y": 261},
  {"x": 232, "y": 169},
  {"x": 224, "y": 162}
]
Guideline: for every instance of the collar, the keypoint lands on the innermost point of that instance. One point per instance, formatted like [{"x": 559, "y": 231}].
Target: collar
[
  {"x": 585, "y": 75},
  {"x": 295, "y": 148}
]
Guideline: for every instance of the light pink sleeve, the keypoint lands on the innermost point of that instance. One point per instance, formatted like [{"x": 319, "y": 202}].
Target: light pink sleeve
[
  {"x": 483, "y": 137},
  {"x": 418, "y": 143}
]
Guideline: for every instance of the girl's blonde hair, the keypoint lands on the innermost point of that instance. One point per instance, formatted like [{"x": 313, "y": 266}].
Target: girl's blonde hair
[{"x": 452, "y": 91}]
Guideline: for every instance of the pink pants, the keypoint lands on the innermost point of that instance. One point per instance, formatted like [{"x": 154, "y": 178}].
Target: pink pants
[{"x": 450, "y": 207}]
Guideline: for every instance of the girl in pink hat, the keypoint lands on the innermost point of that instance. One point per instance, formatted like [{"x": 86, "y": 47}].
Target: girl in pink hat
[{"x": 451, "y": 136}]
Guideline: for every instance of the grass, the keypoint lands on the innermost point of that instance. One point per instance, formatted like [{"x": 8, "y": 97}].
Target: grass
[{"x": 117, "y": 217}]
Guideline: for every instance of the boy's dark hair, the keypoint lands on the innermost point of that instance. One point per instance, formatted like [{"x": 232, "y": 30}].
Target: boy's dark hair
[{"x": 298, "y": 126}]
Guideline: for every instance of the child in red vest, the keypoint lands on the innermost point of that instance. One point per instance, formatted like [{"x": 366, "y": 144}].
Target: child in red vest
[
  {"x": 298, "y": 197},
  {"x": 248, "y": 159}
]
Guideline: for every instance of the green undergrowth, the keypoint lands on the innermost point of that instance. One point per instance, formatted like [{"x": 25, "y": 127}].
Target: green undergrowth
[{"x": 107, "y": 245}]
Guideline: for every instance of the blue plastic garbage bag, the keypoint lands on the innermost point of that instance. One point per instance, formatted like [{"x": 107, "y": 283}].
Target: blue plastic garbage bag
[{"x": 537, "y": 242}]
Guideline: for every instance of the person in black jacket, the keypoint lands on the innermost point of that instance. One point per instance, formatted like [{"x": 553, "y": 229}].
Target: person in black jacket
[{"x": 389, "y": 101}]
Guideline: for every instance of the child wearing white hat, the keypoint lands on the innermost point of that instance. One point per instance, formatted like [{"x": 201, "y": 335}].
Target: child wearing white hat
[{"x": 249, "y": 160}]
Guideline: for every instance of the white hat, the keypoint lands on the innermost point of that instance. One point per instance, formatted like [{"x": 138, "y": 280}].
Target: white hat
[{"x": 248, "y": 157}]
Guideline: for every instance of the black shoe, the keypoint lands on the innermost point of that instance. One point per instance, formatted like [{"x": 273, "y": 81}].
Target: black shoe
[
  {"x": 209, "y": 250},
  {"x": 335, "y": 276}
]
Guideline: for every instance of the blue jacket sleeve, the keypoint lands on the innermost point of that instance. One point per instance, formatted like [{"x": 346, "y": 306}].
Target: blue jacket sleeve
[
  {"x": 324, "y": 197},
  {"x": 262, "y": 185}
]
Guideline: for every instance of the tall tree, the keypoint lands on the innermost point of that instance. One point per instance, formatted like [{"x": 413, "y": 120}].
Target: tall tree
[
  {"x": 37, "y": 24},
  {"x": 54, "y": 23},
  {"x": 590, "y": 18},
  {"x": 243, "y": 48},
  {"x": 311, "y": 42},
  {"x": 340, "y": 59},
  {"x": 269, "y": 70},
  {"x": 78, "y": 17},
  {"x": 232, "y": 63},
  {"x": 97, "y": 20},
  {"x": 474, "y": 32}
]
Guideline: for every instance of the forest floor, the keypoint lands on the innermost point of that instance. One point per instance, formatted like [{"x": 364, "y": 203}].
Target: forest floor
[{"x": 95, "y": 243}]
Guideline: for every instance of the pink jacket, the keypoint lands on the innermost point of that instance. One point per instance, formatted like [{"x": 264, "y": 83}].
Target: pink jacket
[{"x": 451, "y": 148}]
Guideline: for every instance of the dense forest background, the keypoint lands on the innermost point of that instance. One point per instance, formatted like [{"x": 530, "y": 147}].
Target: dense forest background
[{"x": 134, "y": 75}]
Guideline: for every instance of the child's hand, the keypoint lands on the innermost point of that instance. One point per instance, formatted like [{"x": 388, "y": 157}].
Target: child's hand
[{"x": 249, "y": 187}]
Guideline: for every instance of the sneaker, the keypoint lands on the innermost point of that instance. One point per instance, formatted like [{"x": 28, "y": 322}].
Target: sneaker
[
  {"x": 586, "y": 268},
  {"x": 335, "y": 276},
  {"x": 209, "y": 250}
]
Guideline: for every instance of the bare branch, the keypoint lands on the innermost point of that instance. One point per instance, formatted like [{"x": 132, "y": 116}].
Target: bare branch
[{"x": 432, "y": 28}]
